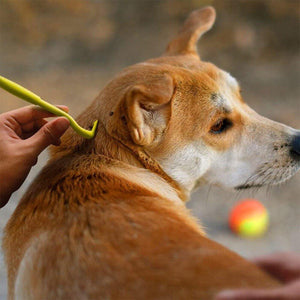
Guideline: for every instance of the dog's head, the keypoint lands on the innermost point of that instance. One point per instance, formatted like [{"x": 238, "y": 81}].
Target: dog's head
[{"x": 189, "y": 116}]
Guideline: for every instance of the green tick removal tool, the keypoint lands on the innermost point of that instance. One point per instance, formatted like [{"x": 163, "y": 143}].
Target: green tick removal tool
[{"x": 29, "y": 96}]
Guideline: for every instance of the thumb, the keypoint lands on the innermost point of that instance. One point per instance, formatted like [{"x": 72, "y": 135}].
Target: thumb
[
  {"x": 50, "y": 133},
  {"x": 255, "y": 294}
]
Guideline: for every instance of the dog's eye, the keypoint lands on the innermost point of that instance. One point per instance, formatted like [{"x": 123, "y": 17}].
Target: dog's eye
[{"x": 221, "y": 126}]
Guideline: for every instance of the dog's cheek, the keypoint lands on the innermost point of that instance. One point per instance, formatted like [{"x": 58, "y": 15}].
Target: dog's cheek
[{"x": 230, "y": 168}]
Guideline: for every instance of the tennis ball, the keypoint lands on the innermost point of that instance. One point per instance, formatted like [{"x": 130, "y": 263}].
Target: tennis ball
[{"x": 249, "y": 218}]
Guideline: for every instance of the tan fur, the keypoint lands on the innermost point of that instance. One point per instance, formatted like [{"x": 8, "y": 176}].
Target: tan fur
[{"x": 105, "y": 219}]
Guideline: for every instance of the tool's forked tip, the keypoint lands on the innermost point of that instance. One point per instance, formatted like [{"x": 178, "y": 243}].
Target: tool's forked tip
[
  {"x": 95, "y": 126},
  {"x": 91, "y": 133},
  {"x": 88, "y": 134}
]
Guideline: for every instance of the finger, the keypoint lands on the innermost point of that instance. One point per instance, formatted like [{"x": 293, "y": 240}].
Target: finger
[
  {"x": 50, "y": 133},
  {"x": 274, "y": 258},
  {"x": 33, "y": 127},
  {"x": 36, "y": 124},
  {"x": 30, "y": 113},
  {"x": 269, "y": 294},
  {"x": 273, "y": 267},
  {"x": 284, "y": 266},
  {"x": 280, "y": 258}
]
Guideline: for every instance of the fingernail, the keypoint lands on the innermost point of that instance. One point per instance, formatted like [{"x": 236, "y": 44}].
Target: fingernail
[{"x": 63, "y": 107}]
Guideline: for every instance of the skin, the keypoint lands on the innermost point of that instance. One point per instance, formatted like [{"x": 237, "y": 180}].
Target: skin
[
  {"x": 24, "y": 134},
  {"x": 283, "y": 266}
]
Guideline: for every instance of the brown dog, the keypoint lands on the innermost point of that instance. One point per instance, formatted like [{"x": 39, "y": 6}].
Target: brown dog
[{"x": 105, "y": 219}]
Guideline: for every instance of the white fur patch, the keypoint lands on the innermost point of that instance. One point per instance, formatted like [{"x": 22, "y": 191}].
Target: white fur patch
[
  {"x": 150, "y": 181},
  {"x": 187, "y": 165},
  {"x": 230, "y": 80}
]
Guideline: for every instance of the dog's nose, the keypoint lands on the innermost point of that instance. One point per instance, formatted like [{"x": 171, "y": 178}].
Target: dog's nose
[{"x": 295, "y": 150}]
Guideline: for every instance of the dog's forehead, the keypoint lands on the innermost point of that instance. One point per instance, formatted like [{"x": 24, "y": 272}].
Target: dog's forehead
[
  {"x": 223, "y": 87},
  {"x": 223, "y": 81},
  {"x": 200, "y": 76},
  {"x": 228, "y": 89},
  {"x": 221, "y": 102}
]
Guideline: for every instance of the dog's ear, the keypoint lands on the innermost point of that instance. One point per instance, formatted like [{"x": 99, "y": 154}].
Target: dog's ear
[
  {"x": 148, "y": 109},
  {"x": 198, "y": 22}
]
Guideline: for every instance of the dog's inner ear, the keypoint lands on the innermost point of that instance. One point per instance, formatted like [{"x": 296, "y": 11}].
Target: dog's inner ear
[
  {"x": 149, "y": 108},
  {"x": 197, "y": 23}
]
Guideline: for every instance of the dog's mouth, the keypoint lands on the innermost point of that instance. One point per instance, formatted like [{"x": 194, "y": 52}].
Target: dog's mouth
[
  {"x": 271, "y": 173},
  {"x": 248, "y": 186}
]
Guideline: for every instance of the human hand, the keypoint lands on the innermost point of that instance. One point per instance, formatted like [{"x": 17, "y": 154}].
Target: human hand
[
  {"x": 24, "y": 134},
  {"x": 283, "y": 266}
]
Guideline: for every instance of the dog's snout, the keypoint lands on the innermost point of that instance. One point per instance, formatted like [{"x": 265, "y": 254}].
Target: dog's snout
[{"x": 295, "y": 149}]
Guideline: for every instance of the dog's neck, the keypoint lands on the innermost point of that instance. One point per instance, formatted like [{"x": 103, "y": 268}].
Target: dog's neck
[
  {"x": 140, "y": 166},
  {"x": 134, "y": 155}
]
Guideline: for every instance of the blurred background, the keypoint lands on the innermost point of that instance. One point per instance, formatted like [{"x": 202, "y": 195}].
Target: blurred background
[{"x": 66, "y": 51}]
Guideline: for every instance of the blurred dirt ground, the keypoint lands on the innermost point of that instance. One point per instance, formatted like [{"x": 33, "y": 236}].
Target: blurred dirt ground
[{"x": 66, "y": 51}]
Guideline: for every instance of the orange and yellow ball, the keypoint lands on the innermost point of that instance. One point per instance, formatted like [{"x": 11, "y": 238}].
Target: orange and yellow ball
[{"x": 249, "y": 218}]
